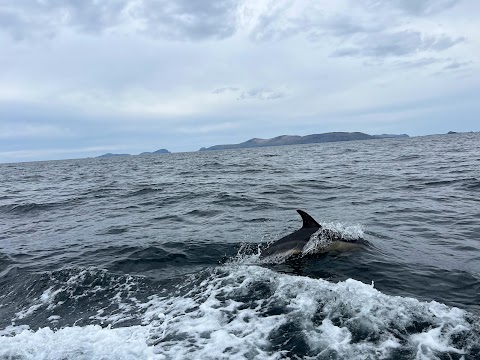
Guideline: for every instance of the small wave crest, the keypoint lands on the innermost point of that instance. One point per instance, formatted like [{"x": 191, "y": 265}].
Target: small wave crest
[
  {"x": 26, "y": 207},
  {"x": 472, "y": 184},
  {"x": 33, "y": 207},
  {"x": 408, "y": 157},
  {"x": 144, "y": 191}
]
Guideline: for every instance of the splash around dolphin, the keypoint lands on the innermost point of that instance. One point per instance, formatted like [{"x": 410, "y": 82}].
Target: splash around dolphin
[{"x": 294, "y": 243}]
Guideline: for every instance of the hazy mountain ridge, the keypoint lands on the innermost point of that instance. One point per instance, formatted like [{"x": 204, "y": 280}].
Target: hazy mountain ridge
[
  {"x": 156, "y": 152},
  {"x": 307, "y": 139}
]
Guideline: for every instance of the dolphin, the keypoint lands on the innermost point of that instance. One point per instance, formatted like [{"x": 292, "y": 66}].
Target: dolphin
[{"x": 294, "y": 243}]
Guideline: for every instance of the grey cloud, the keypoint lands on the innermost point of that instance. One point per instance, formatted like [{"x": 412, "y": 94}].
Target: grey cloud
[
  {"x": 92, "y": 16},
  {"x": 424, "y": 62},
  {"x": 179, "y": 19},
  {"x": 402, "y": 43},
  {"x": 275, "y": 25},
  {"x": 315, "y": 22},
  {"x": 443, "y": 42},
  {"x": 417, "y": 63},
  {"x": 186, "y": 19},
  {"x": 225, "y": 90},
  {"x": 255, "y": 93},
  {"x": 202, "y": 19},
  {"x": 374, "y": 24},
  {"x": 456, "y": 65},
  {"x": 20, "y": 25},
  {"x": 24, "y": 19},
  {"x": 342, "y": 25},
  {"x": 261, "y": 94},
  {"x": 13, "y": 24},
  {"x": 459, "y": 68},
  {"x": 424, "y": 7},
  {"x": 411, "y": 7}
]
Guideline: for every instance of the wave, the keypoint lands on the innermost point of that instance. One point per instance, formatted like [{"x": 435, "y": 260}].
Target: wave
[
  {"x": 27, "y": 207},
  {"x": 249, "y": 312},
  {"x": 408, "y": 157},
  {"x": 467, "y": 184},
  {"x": 76, "y": 296},
  {"x": 471, "y": 184},
  {"x": 149, "y": 258},
  {"x": 440, "y": 182},
  {"x": 32, "y": 207},
  {"x": 143, "y": 191}
]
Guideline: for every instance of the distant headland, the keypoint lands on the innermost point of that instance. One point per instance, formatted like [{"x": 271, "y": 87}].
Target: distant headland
[
  {"x": 308, "y": 139},
  {"x": 157, "y": 152}
]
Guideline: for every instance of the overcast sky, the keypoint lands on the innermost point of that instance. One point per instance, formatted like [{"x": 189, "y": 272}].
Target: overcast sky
[{"x": 79, "y": 78}]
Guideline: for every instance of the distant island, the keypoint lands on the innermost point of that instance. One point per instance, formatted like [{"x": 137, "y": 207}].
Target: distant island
[
  {"x": 107, "y": 155},
  {"x": 308, "y": 139},
  {"x": 157, "y": 152}
]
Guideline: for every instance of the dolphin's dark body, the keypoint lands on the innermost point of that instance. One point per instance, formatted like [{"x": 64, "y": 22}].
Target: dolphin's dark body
[{"x": 294, "y": 243}]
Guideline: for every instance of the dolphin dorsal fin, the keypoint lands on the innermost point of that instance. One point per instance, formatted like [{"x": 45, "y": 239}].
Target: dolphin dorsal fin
[{"x": 308, "y": 221}]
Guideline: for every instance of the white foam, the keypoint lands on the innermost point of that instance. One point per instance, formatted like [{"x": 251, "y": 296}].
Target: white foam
[
  {"x": 347, "y": 232},
  {"x": 321, "y": 239},
  {"x": 45, "y": 299},
  {"x": 89, "y": 342},
  {"x": 434, "y": 341},
  {"x": 240, "y": 312},
  {"x": 212, "y": 321}
]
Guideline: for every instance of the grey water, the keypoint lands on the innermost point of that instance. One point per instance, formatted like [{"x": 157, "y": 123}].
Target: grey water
[{"x": 161, "y": 251}]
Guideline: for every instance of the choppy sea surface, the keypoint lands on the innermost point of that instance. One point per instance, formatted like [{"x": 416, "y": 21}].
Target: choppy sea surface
[{"x": 157, "y": 257}]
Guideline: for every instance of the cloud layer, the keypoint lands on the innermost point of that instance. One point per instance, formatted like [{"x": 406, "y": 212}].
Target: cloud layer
[{"x": 134, "y": 75}]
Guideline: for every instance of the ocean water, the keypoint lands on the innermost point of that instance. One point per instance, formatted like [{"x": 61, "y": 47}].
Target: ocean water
[{"x": 156, "y": 257}]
